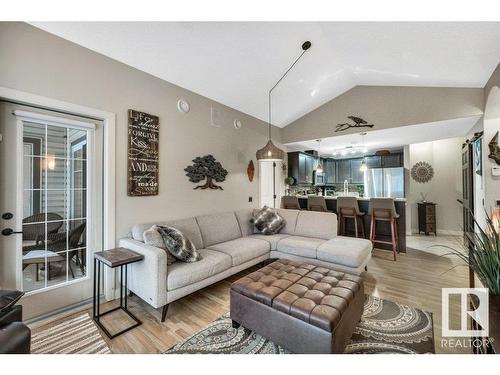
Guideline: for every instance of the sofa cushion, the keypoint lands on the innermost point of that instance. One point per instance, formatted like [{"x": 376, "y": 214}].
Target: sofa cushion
[
  {"x": 137, "y": 231},
  {"x": 273, "y": 239},
  {"x": 243, "y": 249},
  {"x": 189, "y": 227},
  {"x": 267, "y": 221},
  {"x": 290, "y": 217},
  {"x": 346, "y": 251},
  {"x": 301, "y": 246},
  {"x": 218, "y": 228},
  {"x": 181, "y": 274},
  {"x": 316, "y": 224},
  {"x": 244, "y": 217}
]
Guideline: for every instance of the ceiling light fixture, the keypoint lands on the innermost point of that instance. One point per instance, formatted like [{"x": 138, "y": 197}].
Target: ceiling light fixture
[
  {"x": 363, "y": 167},
  {"x": 319, "y": 167},
  {"x": 270, "y": 152}
]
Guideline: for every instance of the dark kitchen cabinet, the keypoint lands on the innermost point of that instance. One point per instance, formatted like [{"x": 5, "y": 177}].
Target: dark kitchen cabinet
[
  {"x": 302, "y": 179},
  {"x": 373, "y": 161},
  {"x": 357, "y": 176},
  {"x": 301, "y": 167},
  {"x": 343, "y": 170},
  {"x": 310, "y": 167},
  {"x": 392, "y": 160},
  {"x": 330, "y": 169}
]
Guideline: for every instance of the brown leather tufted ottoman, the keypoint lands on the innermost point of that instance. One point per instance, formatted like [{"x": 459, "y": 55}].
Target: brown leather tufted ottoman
[{"x": 302, "y": 307}]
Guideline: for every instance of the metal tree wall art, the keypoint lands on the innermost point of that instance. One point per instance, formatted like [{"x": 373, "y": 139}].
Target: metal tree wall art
[
  {"x": 494, "y": 149},
  {"x": 206, "y": 167},
  {"x": 358, "y": 123},
  {"x": 422, "y": 172}
]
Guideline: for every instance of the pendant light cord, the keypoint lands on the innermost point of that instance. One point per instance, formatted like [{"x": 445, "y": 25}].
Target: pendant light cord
[{"x": 278, "y": 82}]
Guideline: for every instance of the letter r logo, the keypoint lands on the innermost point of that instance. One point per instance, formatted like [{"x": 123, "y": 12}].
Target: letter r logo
[{"x": 478, "y": 313}]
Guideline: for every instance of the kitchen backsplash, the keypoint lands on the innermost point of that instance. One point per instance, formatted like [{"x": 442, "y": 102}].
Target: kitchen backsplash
[{"x": 325, "y": 190}]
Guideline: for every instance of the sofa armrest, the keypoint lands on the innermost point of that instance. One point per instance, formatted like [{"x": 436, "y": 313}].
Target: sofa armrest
[{"x": 148, "y": 278}]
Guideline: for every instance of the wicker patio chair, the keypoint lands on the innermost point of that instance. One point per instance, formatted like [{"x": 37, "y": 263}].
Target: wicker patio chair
[{"x": 36, "y": 232}]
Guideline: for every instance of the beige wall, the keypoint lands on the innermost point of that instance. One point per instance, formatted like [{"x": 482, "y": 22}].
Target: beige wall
[
  {"x": 446, "y": 186},
  {"x": 491, "y": 126},
  {"x": 386, "y": 107},
  {"x": 37, "y": 62}
]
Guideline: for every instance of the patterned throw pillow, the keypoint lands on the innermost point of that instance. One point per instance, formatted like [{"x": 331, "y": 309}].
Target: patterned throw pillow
[
  {"x": 153, "y": 238},
  {"x": 267, "y": 221},
  {"x": 177, "y": 244}
]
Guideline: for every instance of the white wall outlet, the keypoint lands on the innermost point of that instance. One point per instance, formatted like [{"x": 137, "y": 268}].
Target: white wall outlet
[
  {"x": 215, "y": 117},
  {"x": 495, "y": 171}
]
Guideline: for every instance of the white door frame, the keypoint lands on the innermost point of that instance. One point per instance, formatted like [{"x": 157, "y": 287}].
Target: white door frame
[{"x": 109, "y": 121}]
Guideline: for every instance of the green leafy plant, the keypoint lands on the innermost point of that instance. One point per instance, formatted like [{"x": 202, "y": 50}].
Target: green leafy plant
[{"x": 483, "y": 257}]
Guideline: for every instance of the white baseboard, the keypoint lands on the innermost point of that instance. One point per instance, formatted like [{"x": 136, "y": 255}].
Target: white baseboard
[
  {"x": 59, "y": 313},
  {"x": 448, "y": 232},
  {"x": 444, "y": 232}
]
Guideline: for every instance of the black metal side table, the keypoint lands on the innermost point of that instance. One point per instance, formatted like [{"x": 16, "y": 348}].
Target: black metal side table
[{"x": 119, "y": 257}]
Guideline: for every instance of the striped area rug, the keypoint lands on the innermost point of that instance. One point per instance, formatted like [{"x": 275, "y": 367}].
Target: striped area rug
[{"x": 75, "y": 336}]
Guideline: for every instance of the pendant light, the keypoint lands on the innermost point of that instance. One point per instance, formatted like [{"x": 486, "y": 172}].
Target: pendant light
[
  {"x": 363, "y": 167},
  {"x": 319, "y": 167},
  {"x": 270, "y": 152}
]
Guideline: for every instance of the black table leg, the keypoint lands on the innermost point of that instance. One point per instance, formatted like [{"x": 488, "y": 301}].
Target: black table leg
[
  {"x": 98, "y": 289},
  {"x": 126, "y": 287},
  {"x": 121, "y": 286},
  {"x": 94, "y": 291},
  {"x": 123, "y": 300}
]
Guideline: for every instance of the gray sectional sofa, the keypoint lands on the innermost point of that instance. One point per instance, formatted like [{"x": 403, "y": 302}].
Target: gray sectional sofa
[{"x": 228, "y": 245}]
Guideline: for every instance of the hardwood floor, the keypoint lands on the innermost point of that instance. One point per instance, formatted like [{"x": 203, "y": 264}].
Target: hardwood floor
[{"x": 416, "y": 279}]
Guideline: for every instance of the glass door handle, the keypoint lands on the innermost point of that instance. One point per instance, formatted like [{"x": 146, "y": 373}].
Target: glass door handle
[{"x": 9, "y": 231}]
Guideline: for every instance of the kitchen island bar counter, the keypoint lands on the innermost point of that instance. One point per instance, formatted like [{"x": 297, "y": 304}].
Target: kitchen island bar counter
[
  {"x": 358, "y": 198},
  {"x": 383, "y": 229}
]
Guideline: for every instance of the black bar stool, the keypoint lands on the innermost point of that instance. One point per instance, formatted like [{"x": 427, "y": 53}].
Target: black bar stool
[
  {"x": 348, "y": 208},
  {"x": 383, "y": 209}
]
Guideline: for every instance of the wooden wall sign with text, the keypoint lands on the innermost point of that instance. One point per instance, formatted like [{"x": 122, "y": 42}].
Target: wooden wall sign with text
[{"x": 143, "y": 154}]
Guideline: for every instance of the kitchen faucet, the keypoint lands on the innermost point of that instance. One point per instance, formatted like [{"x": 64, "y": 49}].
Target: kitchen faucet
[{"x": 346, "y": 186}]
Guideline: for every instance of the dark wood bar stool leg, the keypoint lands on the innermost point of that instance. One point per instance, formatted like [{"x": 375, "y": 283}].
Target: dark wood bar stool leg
[
  {"x": 393, "y": 238},
  {"x": 387, "y": 217},
  {"x": 355, "y": 225},
  {"x": 372, "y": 229},
  {"x": 362, "y": 225}
]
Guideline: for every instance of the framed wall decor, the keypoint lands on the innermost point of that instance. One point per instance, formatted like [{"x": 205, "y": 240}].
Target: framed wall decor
[
  {"x": 422, "y": 172},
  {"x": 143, "y": 154},
  {"x": 478, "y": 165}
]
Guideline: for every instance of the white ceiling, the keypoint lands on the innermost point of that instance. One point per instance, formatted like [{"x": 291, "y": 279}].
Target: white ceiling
[
  {"x": 236, "y": 63},
  {"x": 350, "y": 145}
]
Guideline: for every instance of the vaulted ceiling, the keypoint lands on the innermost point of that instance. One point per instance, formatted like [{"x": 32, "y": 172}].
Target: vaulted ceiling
[{"x": 237, "y": 63}]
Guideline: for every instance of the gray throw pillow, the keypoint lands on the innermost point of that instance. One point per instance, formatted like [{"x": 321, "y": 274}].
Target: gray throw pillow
[
  {"x": 177, "y": 244},
  {"x": 153, "y": 238},
  {"x": 267, "y": 221}
]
